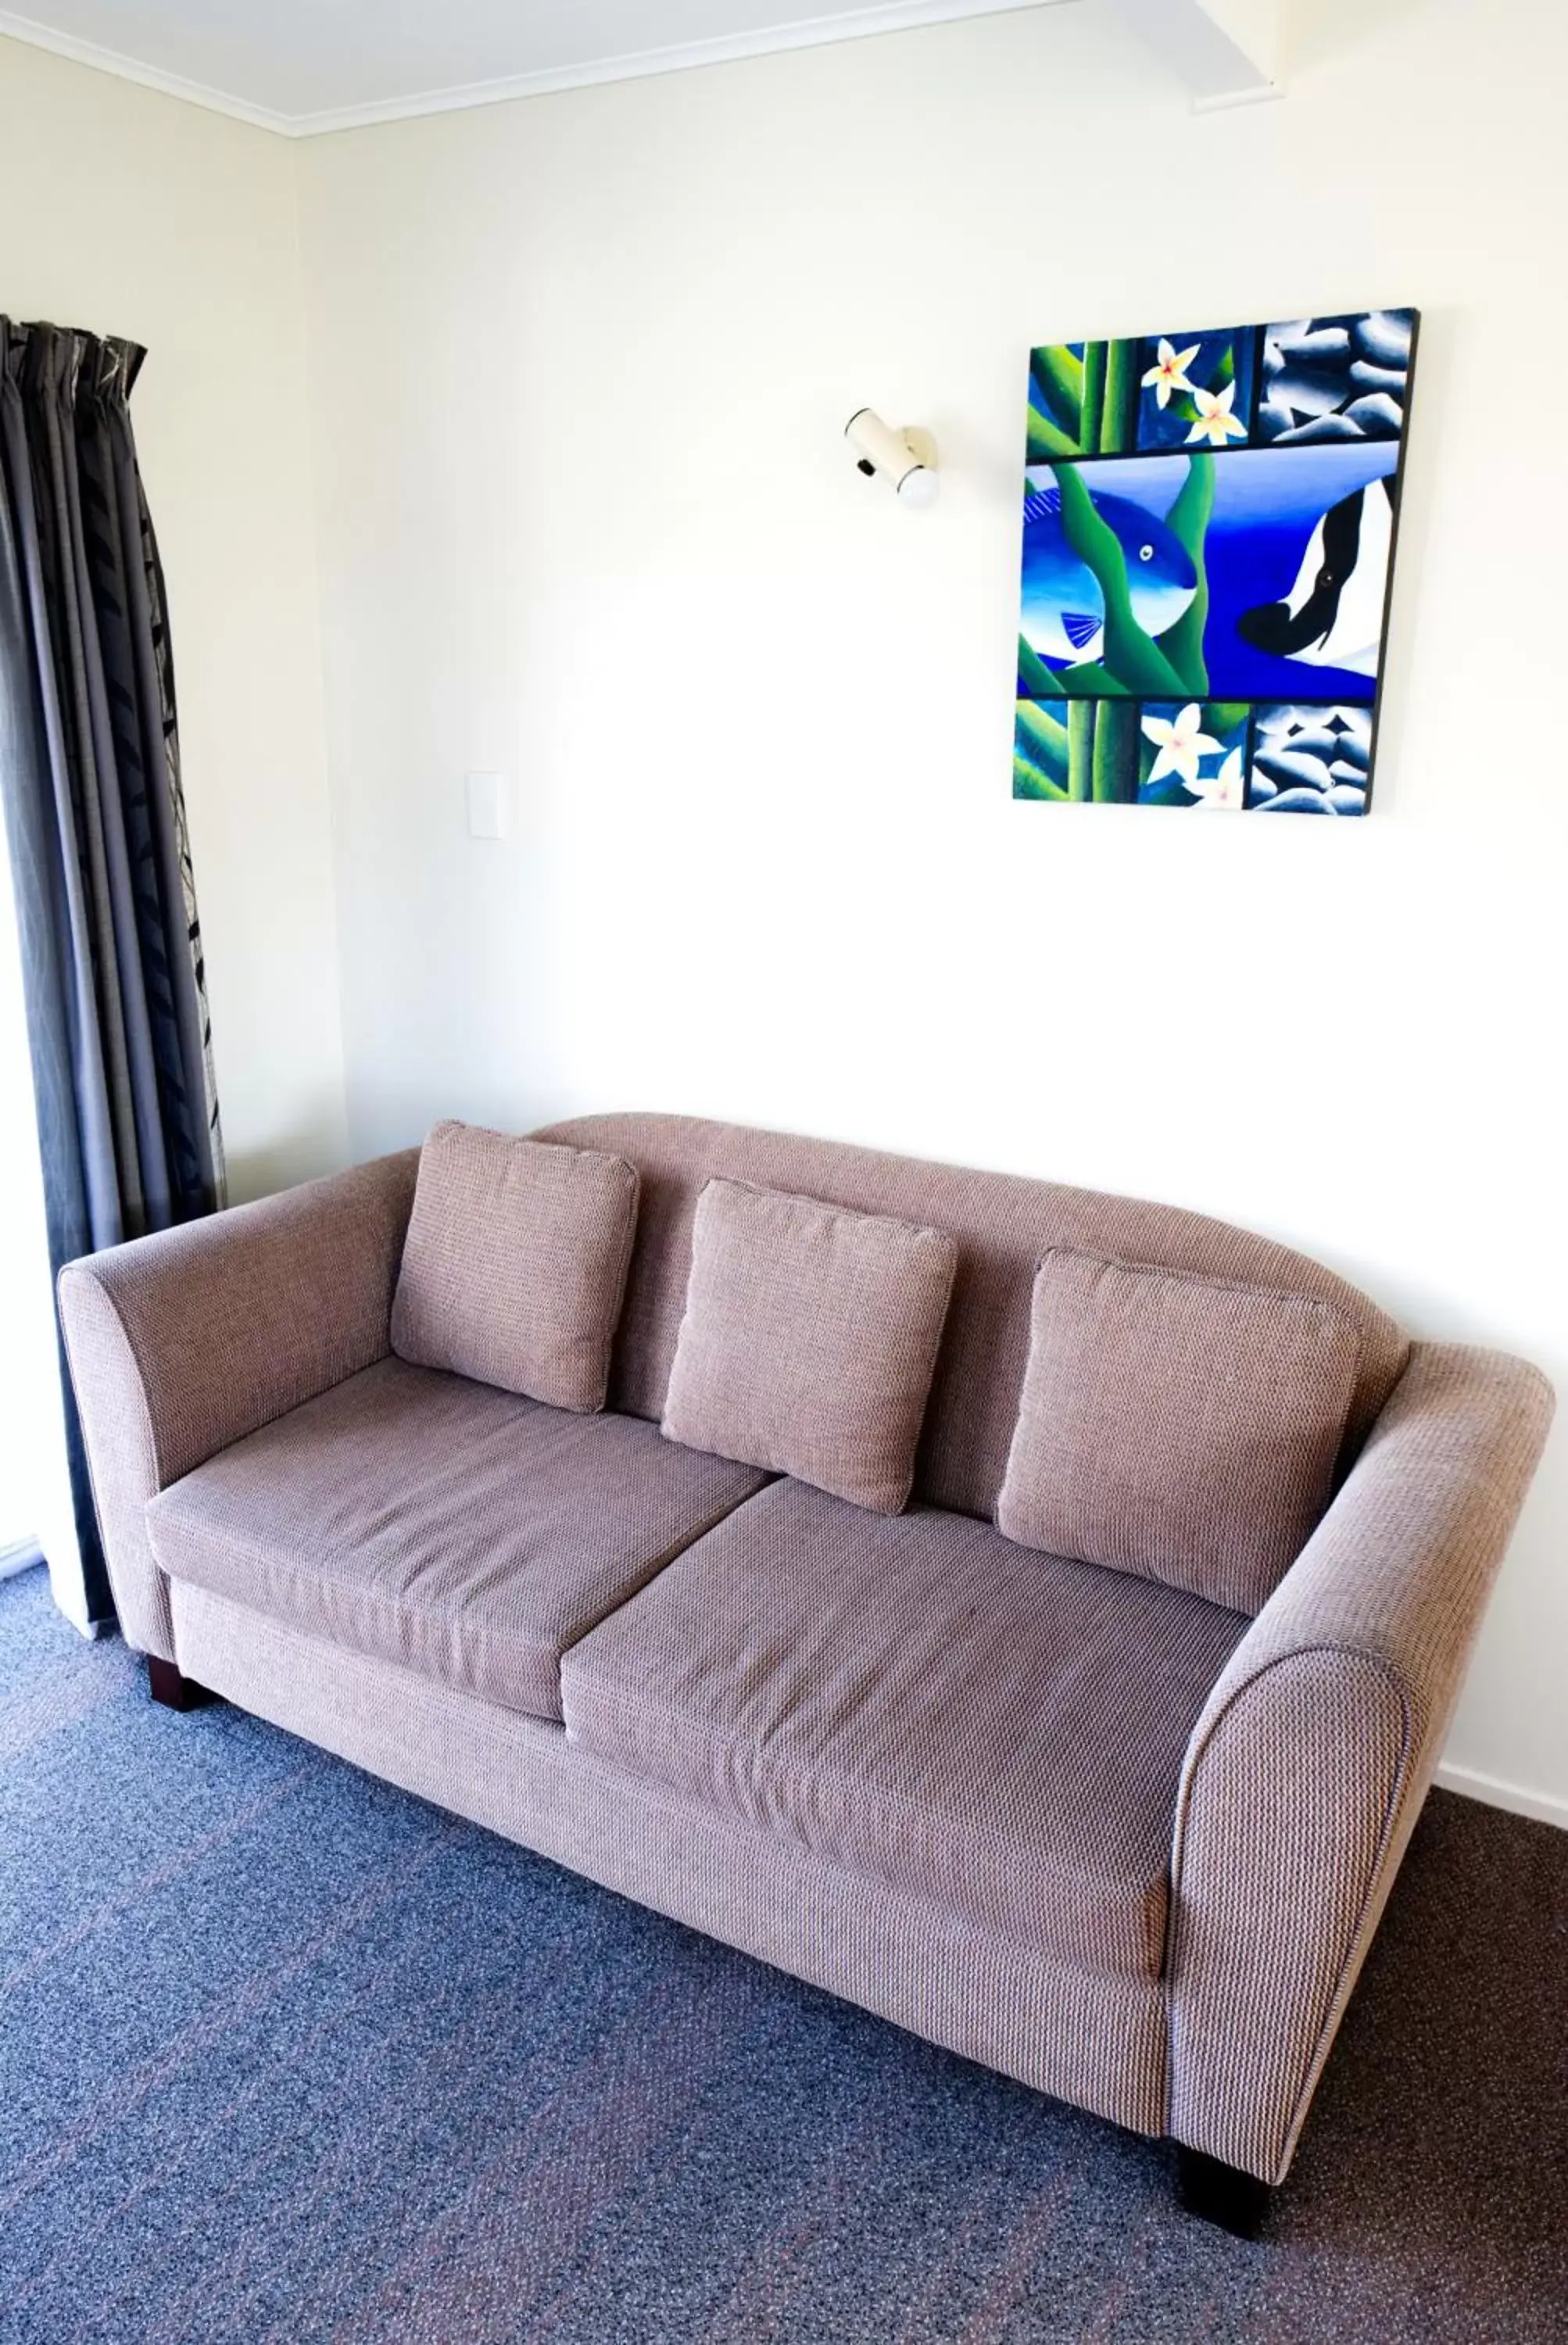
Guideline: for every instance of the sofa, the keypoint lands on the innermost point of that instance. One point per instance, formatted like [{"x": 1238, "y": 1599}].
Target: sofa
[{"x": 1125, "y": 1838}]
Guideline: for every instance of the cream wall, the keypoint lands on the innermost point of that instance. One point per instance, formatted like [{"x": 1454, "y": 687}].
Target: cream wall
[
  {"x": 138, "y": 215},
  {"x": 580, "y": 366},
  {"x": 578, "y": 372}
]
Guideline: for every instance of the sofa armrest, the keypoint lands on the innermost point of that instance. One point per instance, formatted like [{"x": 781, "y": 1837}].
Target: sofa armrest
[
  {"x": 183, "y": 1342},
  {"x": 1306, "y": 1770}
]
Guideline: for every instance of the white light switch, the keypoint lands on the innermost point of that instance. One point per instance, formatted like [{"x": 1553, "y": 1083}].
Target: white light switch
[{"x": 487, "y": 805}]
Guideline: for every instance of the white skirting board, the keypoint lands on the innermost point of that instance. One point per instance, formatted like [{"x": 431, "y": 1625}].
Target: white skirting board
[{"x": 1493, "y": 1793}]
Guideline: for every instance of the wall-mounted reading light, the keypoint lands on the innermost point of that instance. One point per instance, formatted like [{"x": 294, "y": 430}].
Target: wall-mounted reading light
[{"x": 907, "y": 458}]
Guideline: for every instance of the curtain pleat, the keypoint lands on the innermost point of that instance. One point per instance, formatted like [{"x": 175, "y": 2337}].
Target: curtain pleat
[{"x": 113, "y": 976}]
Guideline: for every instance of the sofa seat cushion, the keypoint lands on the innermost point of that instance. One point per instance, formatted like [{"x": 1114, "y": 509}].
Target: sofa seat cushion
[
  {"x": 446, "y": 1525},
  {"x": 923, "y": 1701}
]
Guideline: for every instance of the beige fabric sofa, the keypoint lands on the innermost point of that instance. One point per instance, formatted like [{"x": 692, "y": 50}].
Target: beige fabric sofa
[{"x": 1092, "y": 1830}]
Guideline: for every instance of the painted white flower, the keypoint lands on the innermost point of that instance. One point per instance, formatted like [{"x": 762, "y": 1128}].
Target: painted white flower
[
  {"x": 1226, "y": 788},
  {"x": 1170, "y": 373},
  {"x": 1216, "y": 423},
  {"x": 1181, "y": 742}
]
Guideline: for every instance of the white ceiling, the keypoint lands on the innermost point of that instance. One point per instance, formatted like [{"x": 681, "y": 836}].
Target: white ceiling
[{"x": 320, "y": 64}]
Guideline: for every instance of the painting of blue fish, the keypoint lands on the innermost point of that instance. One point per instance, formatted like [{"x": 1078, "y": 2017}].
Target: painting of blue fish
[
  {"x": 1209, "y": 521},
  {"x": 1063, "y": 607}
]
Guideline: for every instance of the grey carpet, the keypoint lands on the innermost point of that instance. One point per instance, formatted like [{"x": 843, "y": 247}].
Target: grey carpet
[{"x": 289, "y": 2056}]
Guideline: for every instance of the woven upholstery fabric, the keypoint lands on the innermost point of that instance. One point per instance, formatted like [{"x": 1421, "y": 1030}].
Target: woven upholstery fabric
[
  {"x": 515, "y": 1262},
  {"x": 1179, "y": 1427},
  {"x": 1091, "y": 2038},
  {"x": 991, "y": 1730},
  {"x": 181, "y": 1343},
  {"x": 446, "y": 1525},
  {"x": 1002, "y": 1226},
  {"x": 807, "y": 1341},
  {"x": 1308, "y": 1769}
]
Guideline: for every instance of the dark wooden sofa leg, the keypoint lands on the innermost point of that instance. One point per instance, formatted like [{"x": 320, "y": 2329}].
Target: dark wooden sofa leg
[
  {"x": 168, "y": 1686},
  {"x": 1222, "y": 2194}
]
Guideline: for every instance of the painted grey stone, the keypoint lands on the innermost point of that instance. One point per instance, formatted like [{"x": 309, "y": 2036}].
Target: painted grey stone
[
  {"x": 1316, "y": 345},
  {"x": 1287, "y": 767},
  {"x": 1378, "y": 415},
  {"x": 1384, "y": 337},
  {"x": 1367, "y": 377},
  {"x": 1273, "y": 420},
  {"x": 1310, "y": 390},
  {"x": 1324, "y": 744},
  {"x": 1296, "y": 802},
  {"x": 1261, "y": 788},
  {"x": 1345, "y": 800},
  {"x": 1280, "y": 717},
  {"x": 1354, "y": 749},
  {"x": 1323, "y": 427}
]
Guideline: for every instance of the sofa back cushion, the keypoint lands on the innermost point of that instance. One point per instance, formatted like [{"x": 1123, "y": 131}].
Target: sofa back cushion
[
  {"x": 1002, "y": 1226},
  {"x": 807, "y": 1341},
  {"x": 515, "y": 1263},
  {"x": 1178, "y": 1426}
]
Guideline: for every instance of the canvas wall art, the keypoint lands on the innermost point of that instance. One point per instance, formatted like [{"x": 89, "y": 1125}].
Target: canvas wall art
[{"x": 1209, "y": 521}]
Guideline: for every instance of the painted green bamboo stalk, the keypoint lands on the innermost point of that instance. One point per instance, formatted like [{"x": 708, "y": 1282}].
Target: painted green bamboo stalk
[
  {"x": 1130, "y": 657},
  {"x": 1047, "y": 440},
  {"x": 1094, "y": 393},
  {"x": 1043, "y": 740},
  {"x": 1081, "y": 750},
  {"x": 1118, "y": 419},
  {"x": 1035, "y": 680},
  {"x": 1187, "y": 521},
  {"x": 1115, "y": 763},
  {"x": 1029, "y": 782},
  {"x": 1058, "y": 379}
]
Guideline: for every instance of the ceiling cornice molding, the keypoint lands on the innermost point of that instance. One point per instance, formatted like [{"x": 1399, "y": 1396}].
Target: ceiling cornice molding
[
  {"x": 110, "y": 61},
  {"x": 640, "y": 65},
  {"x": 881, "y": 16}
]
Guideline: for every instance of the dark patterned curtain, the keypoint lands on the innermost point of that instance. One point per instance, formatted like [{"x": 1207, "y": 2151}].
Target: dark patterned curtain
[{"x": 94, "y": 819}]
